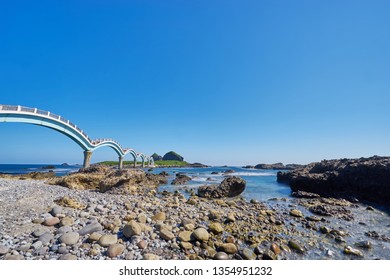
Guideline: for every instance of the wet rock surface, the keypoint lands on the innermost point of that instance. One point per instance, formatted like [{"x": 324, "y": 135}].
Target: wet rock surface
[
  {"x": 363, "y": 178},
  {"x": 230, "y": 187}
]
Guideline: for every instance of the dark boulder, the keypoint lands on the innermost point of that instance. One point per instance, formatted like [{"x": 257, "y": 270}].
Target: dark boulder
[
  {"x": 173, "y": 156},
  {"x": 248, "y": 167},
  {"x": 157, "y": 157},
  {"x": 229, "y": 187},
  {"x": 181, "y": 179},
  {"x": 364, "y": 178}
]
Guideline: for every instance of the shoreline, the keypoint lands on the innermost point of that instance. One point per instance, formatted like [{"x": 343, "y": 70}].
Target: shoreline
[{"x": 164, "y": 225}]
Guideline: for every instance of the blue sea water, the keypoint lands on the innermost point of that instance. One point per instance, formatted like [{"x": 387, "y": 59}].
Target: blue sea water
[
  {"x": 261, "y": 184},
  {"x": 59, "y": 170}
]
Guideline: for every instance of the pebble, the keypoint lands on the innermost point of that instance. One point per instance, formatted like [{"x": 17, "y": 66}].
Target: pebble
[
  {"x": 64, "y": 229},
  {"x": 151, "y": 257},
  {"x": 248, "y": 254},
  {"x": 215, "y": 228},
  {"x": 69, "y": 238},
  {"x": 269, "y": 255},
  {"x": 222, "y": 256},
  {"x": 201, "y": 234},
  {"x": 185, "y": 236},
  {"x": 56, "y": 210},
  {"x": 131, "y": 229},
  {"x": 14, "y": 258},
  {"x": 296, "y": 246},
  {"x": 364, "y": 244},
  {"x": 231, "y": 217},
  {"x": 166, "y": 235},
  {"x": 90, "y": 228},
  {"x": 38, "y": 232},
  {"x": 296, "y": 213},
  {"x": 229, "y": 248},
  {"x": 52, "y": 221},
  {"x": 186, "y": 245},
  {"x": 46, "y": 238},
  {"x": 275, "y": 248},
  {"x": 142, "y": 218},
  {"x": 160, "y": 216},
  {"x": 324, "y": 229},
  {"x": 94, "y": 237},
  {"x": 36, "y": 245},
  {"x": 3, "y": 250},
  {"x": 62, "y": 250},
  {"x": 67, "y": 221},
  {"x": 68, "y": 257},
  {"x": 115, "y": 250},
  {"x": 107, "y": 240},
  {"x": 142, "y": 244},
  {"x": 351, "y": 251}
]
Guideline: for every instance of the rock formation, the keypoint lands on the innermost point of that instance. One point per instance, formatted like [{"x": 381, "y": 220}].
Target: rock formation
[
  {"x": 363, "y": 178},
  {"x": 230, "y": 187},
  {"x": 173, "y": 156}
]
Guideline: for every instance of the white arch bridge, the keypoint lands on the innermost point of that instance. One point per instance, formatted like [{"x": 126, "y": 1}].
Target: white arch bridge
[{"x": 21, "y": 114}]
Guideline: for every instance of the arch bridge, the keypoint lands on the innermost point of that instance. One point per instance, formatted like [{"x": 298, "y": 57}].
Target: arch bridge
[{"x": 21, "y": 114}]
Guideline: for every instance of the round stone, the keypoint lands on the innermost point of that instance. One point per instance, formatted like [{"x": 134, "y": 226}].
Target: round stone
[
  {"x": 216, "y": 228},
  {"x": 166, "y": 235},
  {"x": 151, "y": 257},
  {"x": 142, "y": 244},
  {"x": 68, "y": 257},
  {"x": 160, "y": 216},
  {"x": 115, "y": 250},
  {"x": 248, "y": 254},
  {"x": 94, "y": 237},
  {"x": 186, "y": 245},
  {"x": 56, "y": 210},
  {"x": 142, "y": 218},
  {"x": 296, "y": 213},
  {"x": 131, "y": 229},
  {"x": 70, "y": 238},
  {"x": 38, "y": 232},
  {"x": 46, "y": 238},
  {"x": 221, "y": 256},
  {"x": 3, "y": 250},
  {"x": 107, "y": 240},
  {"x": 229, "y": 248},
  {"x": 52, "y": 221},
  {"x": 67, "y": 221},
  {"x": 231, "y": 217},
  {"x": 185, "y": 236},
  {"x": 201, "y": 234},
  {"x": 275, "y": 248}
]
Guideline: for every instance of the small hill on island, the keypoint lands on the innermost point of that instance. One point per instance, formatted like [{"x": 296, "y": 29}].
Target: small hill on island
[
  {"x": 157, "y": 157},
  {"x": 172, "y": 156}
]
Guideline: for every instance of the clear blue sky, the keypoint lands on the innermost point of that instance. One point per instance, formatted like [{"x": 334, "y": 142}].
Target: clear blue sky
[{"x": 220, "y": 82}]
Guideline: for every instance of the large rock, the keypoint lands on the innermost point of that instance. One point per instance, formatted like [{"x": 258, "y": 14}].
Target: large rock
[
  {"x": 230, "y": 187},
  {"x": 180, "y": 179},
  {"x": 173, "y": 156},
  {"x": 364, "y": 178},
  {"x": 157, "y": 157}
]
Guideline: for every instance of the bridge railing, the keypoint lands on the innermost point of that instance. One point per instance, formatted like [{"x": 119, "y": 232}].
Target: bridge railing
[{"x": 35, "y": 111}]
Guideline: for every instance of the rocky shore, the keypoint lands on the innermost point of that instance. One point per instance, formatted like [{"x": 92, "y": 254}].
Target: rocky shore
[
  {"x": 107, "y": 214},
  {"x": 363, "y": 178}
]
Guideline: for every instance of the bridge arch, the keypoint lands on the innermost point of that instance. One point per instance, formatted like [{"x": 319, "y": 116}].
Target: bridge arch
[{"x": 21, "y": 114}]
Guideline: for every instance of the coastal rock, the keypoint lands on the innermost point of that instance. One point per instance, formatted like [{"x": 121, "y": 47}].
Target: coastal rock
[
  {"x": 157, "y": 157},
  {"x": 180, "y": 179},
  {"x": 160, "y": 216},
  {"x": 201, "y": 234},
  {"x": 230, "y": 187},
  {"x": 296, "y": 246},
  {"x": 131, "y": 229},
  {"x": 107, "y": 240},
  {"x": 151, "y": 257},
  {"x": 364, "y": 178},
  {"x": 52, "y": 221},
  {"x": 56, "y": 210},
  {"x": 248, "y": 254},
  {"x": 166, "y": 235},
  {"x": 66, "y": 221},
  {"x": 296, "y": 213},
  {"x": 351, "y": 251},
  {"x": 222, "y": 256},
  {"x": 115, "y": 250},
  {"x": 185, "y": 236},
  {"x": 215, "y": 228},
  {"x": 70, "y": 238},
  {"x": 90, "y": 228},
  {"x": 228, "y": 248},
  {"x": 3, "y": 250},
  {"x": 46, "y": 238}
]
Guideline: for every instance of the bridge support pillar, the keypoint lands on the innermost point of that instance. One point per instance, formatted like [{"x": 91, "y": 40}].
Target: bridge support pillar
[
  {"x": 143, "y": 164},
  {"x": 135, "y": 163},
  {"x": 120, "y": 166},
  {"x": 87, "y": 158}
]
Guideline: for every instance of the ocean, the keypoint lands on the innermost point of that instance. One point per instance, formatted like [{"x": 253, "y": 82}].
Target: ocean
[{"x": 261, "y": 184}]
